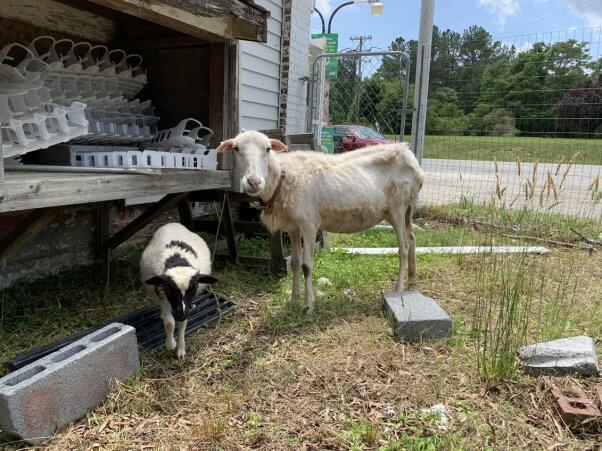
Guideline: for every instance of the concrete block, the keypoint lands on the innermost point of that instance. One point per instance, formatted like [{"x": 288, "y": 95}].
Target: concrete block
[
  {"x": 60, "y": 388},
  {"x": 415, "y": 317},
  {"x": 575, "y": 355}
]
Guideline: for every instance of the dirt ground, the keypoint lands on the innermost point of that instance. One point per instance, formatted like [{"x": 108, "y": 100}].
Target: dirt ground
[{"x": 271, "y": 376}]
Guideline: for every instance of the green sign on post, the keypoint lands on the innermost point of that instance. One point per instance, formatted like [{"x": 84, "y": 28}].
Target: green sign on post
[
  {"x": 332, "y": 46},
  {"x": 327, "y": 139}
]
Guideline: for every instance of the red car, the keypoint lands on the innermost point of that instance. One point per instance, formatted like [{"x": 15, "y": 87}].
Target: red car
[{"x": 351, "y": 137}]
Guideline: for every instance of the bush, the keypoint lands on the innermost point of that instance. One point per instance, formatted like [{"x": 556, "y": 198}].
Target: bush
[{"x": 498, "y": 122}]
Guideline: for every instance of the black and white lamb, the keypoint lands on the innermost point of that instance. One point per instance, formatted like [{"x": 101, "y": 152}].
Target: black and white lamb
[{"x": 175, "y": 267}]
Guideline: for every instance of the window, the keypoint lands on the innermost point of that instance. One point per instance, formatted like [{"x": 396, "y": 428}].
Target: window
[{"x": 368, "y": 133}]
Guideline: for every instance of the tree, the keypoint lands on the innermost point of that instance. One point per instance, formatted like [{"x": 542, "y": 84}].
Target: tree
[
  {"x": 477, "y": 52},
  {"x": 444, "y": 116},
  {"x": 532, "y": 82},
  {"x": 445, "y": 54},
  {"x": 391, "y": 66},
  {"x": 580, "y": 109}
]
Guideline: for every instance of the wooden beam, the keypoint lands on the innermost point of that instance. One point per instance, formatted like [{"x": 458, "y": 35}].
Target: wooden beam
[
  {"x": 165, "y": 204},
  {"x": 212, "y": 20},
  {"x": 60, "y": 17},
  {"x": 27, "y": 230},
  {"x": 29, "y": 190}
]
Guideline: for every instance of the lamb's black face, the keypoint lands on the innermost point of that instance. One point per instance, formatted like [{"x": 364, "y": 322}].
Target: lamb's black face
[{"x": 181, "y": 303}]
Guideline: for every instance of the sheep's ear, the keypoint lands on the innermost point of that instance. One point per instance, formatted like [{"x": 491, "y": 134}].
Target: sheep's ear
[
  {"x": 206, "y": 278},
  {"x": 156, "y": 281},
  {"x": 226, "y": 145},
  {"x": 278, "y": 146}
]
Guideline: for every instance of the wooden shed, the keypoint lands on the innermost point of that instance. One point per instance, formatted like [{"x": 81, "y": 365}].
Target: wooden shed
[{"x": 190, "y": 55}]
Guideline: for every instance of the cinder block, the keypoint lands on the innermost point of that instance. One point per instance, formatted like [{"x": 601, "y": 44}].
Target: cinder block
[
  {"x": 60, "y": 388},
  {"x": 575, "y": 355},
  {"x": 415, "y": 317}
]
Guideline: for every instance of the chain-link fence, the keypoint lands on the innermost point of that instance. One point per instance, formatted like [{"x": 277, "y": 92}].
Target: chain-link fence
[
  {"x": 358, "y": 99},
  {"x": 517, "y": 121}
]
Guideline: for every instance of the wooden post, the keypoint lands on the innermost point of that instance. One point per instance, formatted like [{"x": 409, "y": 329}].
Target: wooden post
[
  {"x": 103, "y": 228},
  {"x": 185, "y": 212},
  {"x": 2, "y": 186},
  {"x": 229, "y": 228},
  {"x": 26, "y": 231},
  {"x": 277, "y": 259}
]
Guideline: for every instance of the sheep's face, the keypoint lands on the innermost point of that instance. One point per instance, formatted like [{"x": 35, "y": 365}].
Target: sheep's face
[
  {"x": 180, "y": 286},
  {"x": 252, "y": 152}
]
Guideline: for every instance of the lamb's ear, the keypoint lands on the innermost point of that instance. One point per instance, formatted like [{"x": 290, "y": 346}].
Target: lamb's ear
[
  {"x": 226, "y": 145},
  {"x": 278, "y": 146},
  {"x": 206, "y": 278},
  {"x": 157, "y": 281}
]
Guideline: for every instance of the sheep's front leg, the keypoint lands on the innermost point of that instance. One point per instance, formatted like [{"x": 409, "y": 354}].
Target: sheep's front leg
[
  {"x": 169, "y": 324},
  {"x": 296, "y": 264},
  {"x": 309, "y": 245},
  {"x": 398, "y": 222},
  {"x": 181, "y": 352}
]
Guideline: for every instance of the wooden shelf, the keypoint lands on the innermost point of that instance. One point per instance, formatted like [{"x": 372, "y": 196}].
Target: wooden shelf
[{"x": 30, "y": 190}]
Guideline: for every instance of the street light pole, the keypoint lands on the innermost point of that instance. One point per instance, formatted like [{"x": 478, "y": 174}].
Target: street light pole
[
  {"x": 321, "y": 19},
  {"x": 335, "y": 11},
  {"x": 376, "y": 9}
]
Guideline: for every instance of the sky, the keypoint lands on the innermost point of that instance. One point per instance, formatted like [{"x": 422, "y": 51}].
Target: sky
[{"x": 504, "y": 19}]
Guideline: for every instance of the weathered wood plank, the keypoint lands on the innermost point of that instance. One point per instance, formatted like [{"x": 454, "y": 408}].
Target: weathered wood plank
[
  {"x": 60, "y": 17},
  {"x": 25, "y": 191},
  {"x": 213, "y": 20},
  {"x": 24, "y": 232},
  {"x": 154, "y": 211}
]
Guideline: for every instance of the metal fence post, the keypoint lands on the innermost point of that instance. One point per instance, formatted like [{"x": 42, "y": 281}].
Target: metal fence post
[{"x": 423, "y": 65}]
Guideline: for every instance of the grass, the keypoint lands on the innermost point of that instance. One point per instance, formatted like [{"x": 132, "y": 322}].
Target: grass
[
  {"x": 513, "y": 148},
  {"x": 271, "y": 376}
]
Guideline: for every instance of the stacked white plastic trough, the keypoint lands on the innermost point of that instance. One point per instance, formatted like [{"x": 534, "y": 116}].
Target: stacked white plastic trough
[
  {"x": 29, "y": 119},
  {"x": 181, "y": 147},
  {"x": 106, "y": 81}
]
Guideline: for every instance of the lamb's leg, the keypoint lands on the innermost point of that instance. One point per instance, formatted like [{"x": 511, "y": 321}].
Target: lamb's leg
[
  {"x": 397, "y": 219},
  {"x": 168, "y": 323},
  {"x": 296, "y": 264},
  {"x": 411, "y": 247},
  {"x": 181, "y": 352},
  {"x": 309, "y": 245}
]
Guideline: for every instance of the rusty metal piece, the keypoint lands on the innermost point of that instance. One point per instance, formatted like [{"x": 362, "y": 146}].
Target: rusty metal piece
[{"x": 572, "y": 409}]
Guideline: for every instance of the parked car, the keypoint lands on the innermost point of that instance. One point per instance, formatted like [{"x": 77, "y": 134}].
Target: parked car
[{"x": 351, "y": 137}]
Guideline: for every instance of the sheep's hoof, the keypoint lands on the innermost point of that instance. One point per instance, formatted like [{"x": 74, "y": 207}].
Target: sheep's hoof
[
  {"x": 170, "y": 345},
  {"x": 181, "y": 353}
]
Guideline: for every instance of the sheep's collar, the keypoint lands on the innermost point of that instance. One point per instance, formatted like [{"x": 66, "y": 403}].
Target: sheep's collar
[{"x": 269, "y": 205}]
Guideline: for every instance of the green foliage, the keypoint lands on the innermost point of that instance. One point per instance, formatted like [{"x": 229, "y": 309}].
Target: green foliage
[
  {"x": 444, "y": 115},
  {"x": 530, "y": 83}
]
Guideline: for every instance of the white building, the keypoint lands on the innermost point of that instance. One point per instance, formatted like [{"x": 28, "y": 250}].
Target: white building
[{"x": 273, "y": 75}]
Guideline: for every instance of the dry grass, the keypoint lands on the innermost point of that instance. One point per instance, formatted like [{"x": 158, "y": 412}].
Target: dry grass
[{"x": 270, "y": 377}]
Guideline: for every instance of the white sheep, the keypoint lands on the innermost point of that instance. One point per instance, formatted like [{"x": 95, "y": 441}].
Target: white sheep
[
  {"x": 309, "y": 191},
  {"x": 175, "y": 267}
]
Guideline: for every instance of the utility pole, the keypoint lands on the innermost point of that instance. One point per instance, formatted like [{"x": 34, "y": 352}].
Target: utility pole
[
  {"x": 423, "y": 65},
  {"x": 361, "y": 39}
]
